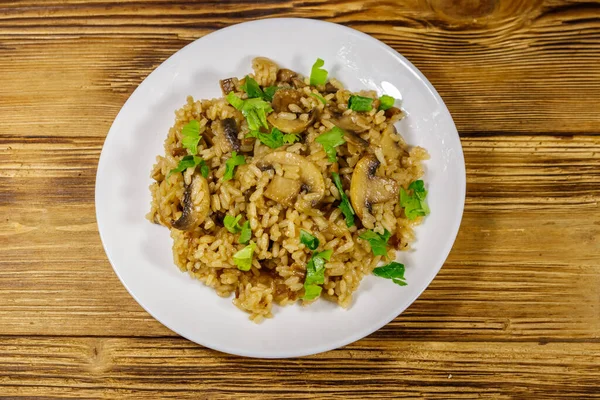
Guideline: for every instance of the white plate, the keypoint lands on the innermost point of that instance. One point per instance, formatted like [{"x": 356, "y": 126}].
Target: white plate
[{"x": 140, "y": 252}]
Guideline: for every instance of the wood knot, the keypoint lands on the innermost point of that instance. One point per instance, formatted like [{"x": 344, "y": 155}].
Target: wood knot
[{"x": 464, "y": 9}]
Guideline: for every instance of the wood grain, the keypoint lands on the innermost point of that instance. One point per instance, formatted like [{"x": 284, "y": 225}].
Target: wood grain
[
  {"x": 514, "y": 312},
  {"x": 175, "y": 368}
]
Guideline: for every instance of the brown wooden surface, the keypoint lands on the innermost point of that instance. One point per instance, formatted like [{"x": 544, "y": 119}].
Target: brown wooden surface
[{"x": 515, "y": 311}]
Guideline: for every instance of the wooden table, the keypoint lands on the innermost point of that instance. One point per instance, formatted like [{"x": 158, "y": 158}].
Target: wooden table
[{"x": 515, "y": 311}]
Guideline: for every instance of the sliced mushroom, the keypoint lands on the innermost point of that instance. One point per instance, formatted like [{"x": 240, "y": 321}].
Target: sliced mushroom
[
  {"x": 393, "y": 111},
  {"x": 230, "y": 130},
  {"x": 329, "y": 88},
  {"x": 367, "y": 189},
  {"x": 349, "y": 122},
  {"x": 298, "y": 83},
  {"x": 178, "y": 152},
  {"x": 284, "y": 97},
  {"x": 292, "y": 125},
  {"x": 283, "y": 190},
  {"x": 285, "y": 75},
  {"x": 196, "y": 204},
  {"x": 228, "y": 85},
  {"x": 353, "y": 138},
  {"x": 311, "y": 179},
  {"x": 389, "y": 146}
]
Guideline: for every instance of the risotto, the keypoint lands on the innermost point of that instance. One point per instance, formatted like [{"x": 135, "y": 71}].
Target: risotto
[{"x": 288, "y": 188}]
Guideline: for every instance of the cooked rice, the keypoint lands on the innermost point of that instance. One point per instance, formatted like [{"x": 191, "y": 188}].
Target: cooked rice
[{"x": 278, "y": 267}]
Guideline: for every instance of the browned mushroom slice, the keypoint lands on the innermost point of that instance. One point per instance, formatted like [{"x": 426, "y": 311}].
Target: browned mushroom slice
[
  {"x": 283, "y": 190},
  {"x": 367, "y": 189},
  {"x": 389, "y": 144},
  {"x": 329, "y": 88},
  {"x": 352, "y": 122},
  {"x": 310, "y": 177},
  {"x": 285, "y": 75},
  {"x": 292, "y": 125},
  {"x": 227, "y": 85},
  {"x": 298, "y": 83},
  {"x": 178, "y": 152},
  {"x": 353, "y": 138},
  {"x": 393, "y": 111},
  {"x": 195, "y": 204},
  {"x": 283, "y": 98},
  {"x": 230, "y": 130}
]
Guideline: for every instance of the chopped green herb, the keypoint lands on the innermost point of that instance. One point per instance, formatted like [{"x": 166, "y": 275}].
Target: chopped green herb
[
  {"x": 312, "y": 291},
  {"x": 378, "y": 242},
  {"x": 345, "y": 205},
  {"x": 386, "y": 102},
  {"x": 243, "y": 258},
  {"x": 315, "y": 274},
  {"x": 231, "y": 223},
  {"x": 318, "y": 75},
  {"x": 231, "y": 163},
  {"x": 233, "y": 226},
  {"x": 308, "y": 240},
  {"x": 330, "y": 140},
  {"x": 290, "y": 138},
  {"x": 393, "y": 271},
  {"x": 415, "y": 204},
  {"x": 252, "y": 88},
  {"x": 269, "y": 92},
  {"x": 274, "y": 139},
  {"x": 189, "y": 162},
  {"x": 235, "y": 101},
  {"x": 255, "y": 110},
  {"x": 246, "y": 233},
  {"x": 191, "y": 136},
  {"x": 360, "y": 103},
  {"x": 204, "y": 169},
  {"x": 319, "y": 97}
]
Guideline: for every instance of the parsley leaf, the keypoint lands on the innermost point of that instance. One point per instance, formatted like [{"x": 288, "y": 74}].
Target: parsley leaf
[
  {"x": 191, "y": 136},
  {"x": 415, "y": 204},
  {"x": 318, "y": 75},
  {"x": 231, "y": 223},
  {"x": 386, "y": 102},
  {"x": 378, "y": 242},
  {"x": 360, "y": 103},
  {"x": 290, "y": 138},
  {"x": 269, "y": 92},
  {"x": 231, "y": 163},
  {"x": 252, "y": 88},
  {"x": 315, "y": 274},
  {"x": 246, "y": 233},
  {"x": 312, "y": 291},
  {"x": 345, "y": 205},
  {"x": 274, "y": 139},
  {"x": 330, "y": 140},
  {"x": 233, "y": 226},
  {"x": 319, "y": 97},
  {"x": 243, "y": 258},
  {"x": 315, "y": 267},
  {"x": 235, "y": 101},
  {"x": 393, "y": 271},
  {"x": 255, "y": 110},
  {"x": 308, "y": 240},
  {"x": 189, "y": 162}
]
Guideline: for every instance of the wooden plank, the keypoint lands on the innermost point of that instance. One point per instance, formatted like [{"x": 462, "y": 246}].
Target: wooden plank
[
  {"x": 520, "y": 67},
  {"x": 525, "y": 266},
  {"x": 127, "y": 368}
]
